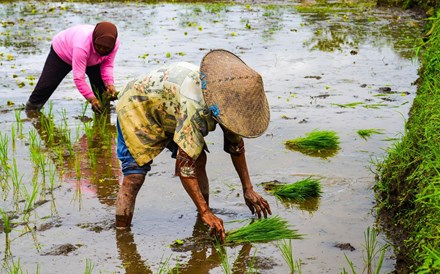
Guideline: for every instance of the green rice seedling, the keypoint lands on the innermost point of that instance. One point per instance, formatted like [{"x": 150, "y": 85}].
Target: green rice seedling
[
  {"x": 7, "y": 228},
  {"x": 224, "y": 259},
  {"x": 366, "y": 133},
  {"x": 78, "y": 166},
  {"x": 78, "y": 197},
  {"x": 52, "y": 174},
  {"x": 251, "y": 265},
  {"x": 48, "y": 127},
  {"x": 19, "y": 122},
  {"x": 15, "y": 177},
  {"x": 372, "y": 251},
  {"x": 375, "y": 106},
  {"x": 287, "y": 252},
  {"x": 13, "y": 267},
  {"x": 264, "y": 230},
  {"x": 298, "y": 191},
  {"x": 89, "y": 267},
  {"x": 315, "y": 141},
  {"x": 30, "y": 199},
  {"x": 42, "y": 164},
  {"x": 4, "y": 145},
  {"x": 89, "y": 131},
  {"x": 349, "y": 105},
  {"x": 13, "y": 136},
  {"x": 164, "y": 265}
]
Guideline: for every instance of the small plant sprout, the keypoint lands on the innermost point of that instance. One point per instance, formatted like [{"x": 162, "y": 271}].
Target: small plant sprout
[
  {"x": 374, "y": 254},
  {"x": 366, "y": 133},
  {"x": 13, "y": 136},
  {"x": 4, "y": 145},
  {"x": 224, "y": 259},
  {"x": 287, "y": 252},
  {"x": 30, "y": 199},
  {"x": 264, "y": 230},
  {"x": 89, "y": 267},
  {"x": 15, "y": 177},
  {"x": 7, "y": 230},
  {"x": 17, "y": 113}
]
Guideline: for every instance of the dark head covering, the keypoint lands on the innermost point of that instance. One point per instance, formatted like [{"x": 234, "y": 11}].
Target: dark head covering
[{"x": 105, "y": 34}]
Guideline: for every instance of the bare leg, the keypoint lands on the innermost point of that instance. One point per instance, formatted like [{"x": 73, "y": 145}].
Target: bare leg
[{"x": 126, "y": 199}]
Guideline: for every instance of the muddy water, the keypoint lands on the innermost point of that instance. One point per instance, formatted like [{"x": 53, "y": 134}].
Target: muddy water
[{"x": 312, "y": 64}]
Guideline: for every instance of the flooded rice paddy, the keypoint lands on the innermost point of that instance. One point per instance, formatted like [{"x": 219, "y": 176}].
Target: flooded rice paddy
[{"x": 340, "y": 70}]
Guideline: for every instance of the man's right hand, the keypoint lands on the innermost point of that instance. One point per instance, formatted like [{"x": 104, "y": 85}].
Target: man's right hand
[
  {"x": 96, "y": 105},
  {"x": 216, "y": 225}
]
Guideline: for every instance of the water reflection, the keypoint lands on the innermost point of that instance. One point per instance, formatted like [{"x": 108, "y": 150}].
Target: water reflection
[
  {"x": 89, "y": 164},
  {"x": 203, "y": 255}
]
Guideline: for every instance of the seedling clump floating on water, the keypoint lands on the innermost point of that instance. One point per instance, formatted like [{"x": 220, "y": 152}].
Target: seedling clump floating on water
[
  {"x": 263, "y": 230},
  {"x": 315, "y": 140},
  {"x": 296, "y": 192},
  {"x": 366, "y": 133}
]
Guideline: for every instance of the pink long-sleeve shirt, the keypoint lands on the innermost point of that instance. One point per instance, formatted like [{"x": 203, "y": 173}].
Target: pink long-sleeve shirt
[{"x": 75, "y": 47}]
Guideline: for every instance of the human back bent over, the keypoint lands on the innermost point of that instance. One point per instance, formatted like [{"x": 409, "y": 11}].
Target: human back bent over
[{"x": 175, "y": 107}]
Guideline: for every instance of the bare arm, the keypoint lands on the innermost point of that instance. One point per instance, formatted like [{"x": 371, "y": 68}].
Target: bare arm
[
  {"x": 187, "y": 169},
  {"x": 234, "y": 145}
]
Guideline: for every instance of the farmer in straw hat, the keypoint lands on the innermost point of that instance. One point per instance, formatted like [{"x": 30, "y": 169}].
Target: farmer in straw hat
[
  {"x": 175, "y": 107},
  {"x": 83, "y": 49}
]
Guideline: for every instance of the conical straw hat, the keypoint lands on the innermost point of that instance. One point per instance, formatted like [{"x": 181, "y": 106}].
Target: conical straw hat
[{"x": 234, "y": 93}]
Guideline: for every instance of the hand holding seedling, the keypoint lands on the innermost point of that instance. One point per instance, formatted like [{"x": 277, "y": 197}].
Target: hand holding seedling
[
  {"x": 111, "y": 92},
  {"x": 96, "y": 105},
  {"x": 216, "y": 228}
]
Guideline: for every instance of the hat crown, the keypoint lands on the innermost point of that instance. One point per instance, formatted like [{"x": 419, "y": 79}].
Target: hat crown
[{"x": 235, "y": 93}]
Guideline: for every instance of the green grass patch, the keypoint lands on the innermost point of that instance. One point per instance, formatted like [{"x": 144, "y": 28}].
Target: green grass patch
[
  {"x": 263, "y": 230},
  {"x": 408, "y": 186},
  {"x": 366, "y": 133},
  {"x": 295, "y": 192}
]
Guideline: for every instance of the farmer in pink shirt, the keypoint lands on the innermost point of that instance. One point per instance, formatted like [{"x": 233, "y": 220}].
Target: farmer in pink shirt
[{"x": 84, "y": 49}]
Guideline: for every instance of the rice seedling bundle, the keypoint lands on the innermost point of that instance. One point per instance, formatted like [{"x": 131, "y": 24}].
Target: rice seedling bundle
[
  {"x": 298, "y": 191},
  {"x": 365, "y": 133},
  {"x": 263, "y": 230},
  {"x": 315, "y": 140}
]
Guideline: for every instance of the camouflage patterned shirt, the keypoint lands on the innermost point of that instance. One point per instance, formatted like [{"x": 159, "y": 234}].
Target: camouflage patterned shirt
[{"x": 167, "y": 104}]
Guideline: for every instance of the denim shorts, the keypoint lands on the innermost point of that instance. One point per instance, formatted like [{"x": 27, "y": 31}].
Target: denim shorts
[{"x": 128, "y": 163}]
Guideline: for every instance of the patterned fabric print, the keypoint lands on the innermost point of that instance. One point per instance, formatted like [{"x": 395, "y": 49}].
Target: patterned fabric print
[
  {"x": 164, "y": 105},
  {"x": 185, "y": 165}
]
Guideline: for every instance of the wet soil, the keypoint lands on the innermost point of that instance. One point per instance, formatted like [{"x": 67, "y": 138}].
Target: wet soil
[{"x": 315, "y": 66}]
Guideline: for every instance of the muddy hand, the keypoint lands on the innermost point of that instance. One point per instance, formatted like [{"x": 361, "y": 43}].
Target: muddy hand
[
  {"x": 216, "y": 226},
  {"x": 257, "y": 204},
  {"x": 111, "y": 92},
  {"x": 96, "y": 105}
]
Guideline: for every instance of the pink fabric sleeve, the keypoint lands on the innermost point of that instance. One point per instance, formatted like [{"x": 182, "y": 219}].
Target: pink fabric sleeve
[
  {"x": 107, "y": 66},
  {"x": 79, "y": 65}
]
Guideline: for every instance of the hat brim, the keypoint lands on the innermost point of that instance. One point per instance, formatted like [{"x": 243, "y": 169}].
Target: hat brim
[{"x": 235, "y": 92}]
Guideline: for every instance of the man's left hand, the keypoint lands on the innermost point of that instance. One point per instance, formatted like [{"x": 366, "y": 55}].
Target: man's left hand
[{"x": 256, "y": 203}]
